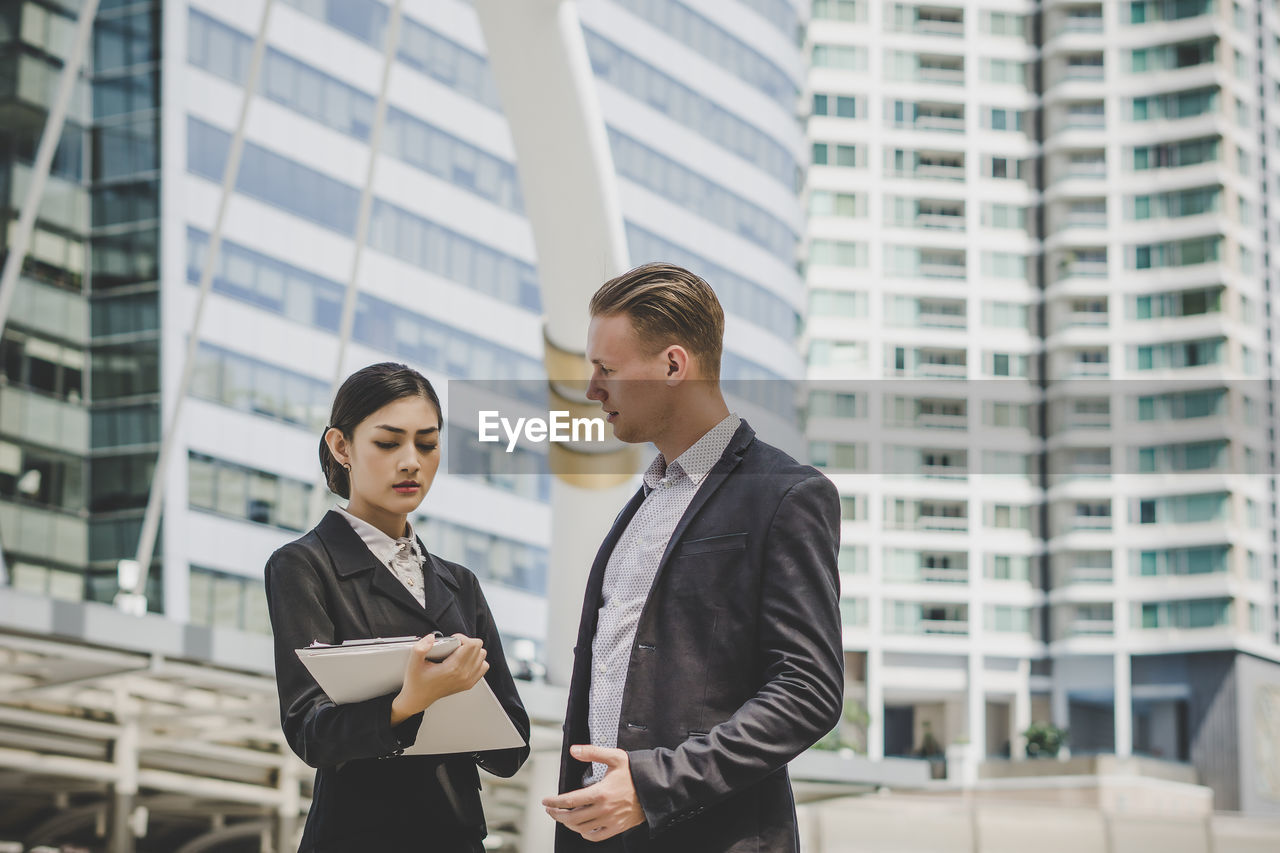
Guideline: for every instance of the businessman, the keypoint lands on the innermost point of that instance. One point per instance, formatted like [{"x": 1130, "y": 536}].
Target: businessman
[{"x": 709, "y": 652}]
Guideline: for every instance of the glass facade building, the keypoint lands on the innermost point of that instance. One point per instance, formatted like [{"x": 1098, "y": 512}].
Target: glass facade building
[{"x": 703, "y": 129}]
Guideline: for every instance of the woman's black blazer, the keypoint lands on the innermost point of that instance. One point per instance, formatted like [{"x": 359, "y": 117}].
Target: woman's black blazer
[{"x": 328, "y": 586}]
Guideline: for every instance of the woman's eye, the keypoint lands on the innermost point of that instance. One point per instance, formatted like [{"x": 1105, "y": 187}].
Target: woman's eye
[
  {"x": 385, "y": 445},
  {"x": 427, "y": 448}
]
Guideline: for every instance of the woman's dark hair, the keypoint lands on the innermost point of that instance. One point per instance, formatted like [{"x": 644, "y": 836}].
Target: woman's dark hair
[{"x": 362, "y": 394}]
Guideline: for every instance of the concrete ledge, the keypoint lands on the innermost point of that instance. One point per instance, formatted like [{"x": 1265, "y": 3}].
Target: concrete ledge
[
  {"x": 92, "y": 623},
  {"x": 1089, "y": 765}
]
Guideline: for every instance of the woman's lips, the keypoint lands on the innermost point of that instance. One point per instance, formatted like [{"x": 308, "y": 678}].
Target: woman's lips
[
  {"x": 406, "y": 488},
  {"x": 609, "y": 417}
]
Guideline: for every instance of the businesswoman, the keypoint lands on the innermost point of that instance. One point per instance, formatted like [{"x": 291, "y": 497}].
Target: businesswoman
[{"x": 361, "y": 572}]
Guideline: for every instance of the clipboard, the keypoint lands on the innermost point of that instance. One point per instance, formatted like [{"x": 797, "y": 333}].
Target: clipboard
[{"x": 471, "y": 721}]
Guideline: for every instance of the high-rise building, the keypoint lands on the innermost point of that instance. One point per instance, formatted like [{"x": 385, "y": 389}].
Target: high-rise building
[
  {"x": 701, "y": 118},
  {"x": 79, "y": 399},
  {"x": 1040, "y": 263}
]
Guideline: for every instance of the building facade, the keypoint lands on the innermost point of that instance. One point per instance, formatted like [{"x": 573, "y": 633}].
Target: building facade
[
  {"x": 1042, "y": 243},
  {"x": 701, "y": 116}
]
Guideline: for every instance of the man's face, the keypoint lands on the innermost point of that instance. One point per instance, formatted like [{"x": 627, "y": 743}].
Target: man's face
[{"x": 629, "y": 384}]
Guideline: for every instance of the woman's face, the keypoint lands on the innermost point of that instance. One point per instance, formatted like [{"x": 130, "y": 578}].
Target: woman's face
[{"x": 394, "y": 454}]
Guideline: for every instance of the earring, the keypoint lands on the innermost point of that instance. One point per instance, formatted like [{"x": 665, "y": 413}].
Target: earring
[{"x": 347, "y": 465}]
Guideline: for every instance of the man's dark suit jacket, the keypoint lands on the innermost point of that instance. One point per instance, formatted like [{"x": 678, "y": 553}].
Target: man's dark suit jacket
[
  {"x": 738, "y": 662},
  {"x": 328, "y": 586}
]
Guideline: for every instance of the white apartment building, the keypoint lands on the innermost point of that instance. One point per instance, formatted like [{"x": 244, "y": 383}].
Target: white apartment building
[{"x": 1040, "y": 251}]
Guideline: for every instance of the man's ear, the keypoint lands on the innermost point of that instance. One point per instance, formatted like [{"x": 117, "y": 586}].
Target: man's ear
[{"x": 677, "y": 362}]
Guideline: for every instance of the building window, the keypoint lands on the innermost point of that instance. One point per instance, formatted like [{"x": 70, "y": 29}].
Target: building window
[
  {"x": 834, "y": 154},
  {"x": 837, "y": 303},
  {"x": 840, "y": 106},
  {"x": 836, "y": 404},
  {"x": 838, "y": 253},
  {"x": 1189, "y": 614},
  {"x": 843, "y": 57},
  {"x": 246, "y": 493},
  {"x": 837, "y": 10},
  {"x": 222, "y": 600},
  {"x": 853, "y": 507}
]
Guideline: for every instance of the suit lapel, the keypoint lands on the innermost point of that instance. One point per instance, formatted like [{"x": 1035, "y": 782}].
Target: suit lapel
[
  {"x": 351, "y": 557},
  {"x": 595, "y": 580},
  {"x": 441, "y": 589},
  {"x": 729, "y": 460},
  {"x": 580, "y": 680}
]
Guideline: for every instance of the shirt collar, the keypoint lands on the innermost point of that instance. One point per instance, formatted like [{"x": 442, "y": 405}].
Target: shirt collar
[
  {"x": 382, "y": 545},
  {"x": 698, "y": 460}
]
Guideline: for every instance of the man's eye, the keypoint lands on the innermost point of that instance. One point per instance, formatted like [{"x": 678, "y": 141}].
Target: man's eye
[{"x": 385, "y": 445}]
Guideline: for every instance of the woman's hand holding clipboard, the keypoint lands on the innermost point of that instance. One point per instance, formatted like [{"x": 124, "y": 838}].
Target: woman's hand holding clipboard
[{"x": 427, "y": 681}]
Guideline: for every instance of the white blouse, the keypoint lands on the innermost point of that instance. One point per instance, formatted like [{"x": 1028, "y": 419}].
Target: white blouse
[{"x": 402, "y": 556}]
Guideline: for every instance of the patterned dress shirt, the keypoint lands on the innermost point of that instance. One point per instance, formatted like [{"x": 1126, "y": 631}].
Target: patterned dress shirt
[
  {"x": 629, "y": 574},
  {"x": 402, "y": 556}
]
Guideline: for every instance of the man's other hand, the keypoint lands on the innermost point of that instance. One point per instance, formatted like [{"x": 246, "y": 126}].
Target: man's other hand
[{"x": 605, "y": 809}]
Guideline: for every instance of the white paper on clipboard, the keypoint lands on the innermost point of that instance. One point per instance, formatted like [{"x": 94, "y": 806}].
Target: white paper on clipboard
[{"x": 464, "y": 722}]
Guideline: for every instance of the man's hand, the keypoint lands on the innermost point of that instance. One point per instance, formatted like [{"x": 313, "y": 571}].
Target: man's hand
[{"x": 602, "y": 810}]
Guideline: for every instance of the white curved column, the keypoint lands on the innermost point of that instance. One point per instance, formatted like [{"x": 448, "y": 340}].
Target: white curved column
[{"x": 540, "y": 63}]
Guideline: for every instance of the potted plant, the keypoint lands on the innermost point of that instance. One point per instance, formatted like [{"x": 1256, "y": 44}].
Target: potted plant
[{"x": 1044, "y": 740}]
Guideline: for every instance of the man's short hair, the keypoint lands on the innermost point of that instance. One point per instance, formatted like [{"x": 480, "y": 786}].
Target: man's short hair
[{"x": 667, "y": 305}]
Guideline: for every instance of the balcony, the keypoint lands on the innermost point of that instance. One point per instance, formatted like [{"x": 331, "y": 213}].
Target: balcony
[
  {"x": 939, "y": 27},
  {"x": 930, "y": 320},
  {"x": 1088, "y": 370},
  {"x": 941, "y": 123},
  {"x": 931, "y": 370},
  {"x": 944, "y": 74},
  {"x": 1083, "y": 71},
  {"x": 939, "y": 574},
  {"x": 956, "y": 524},
  {"x": 952, "y": 627},
  {"x": 944, "y": 472},
  {"x": 940, "y": 268},
  {"x": 1084, "y": 121},
  {"x": 1083, "y": 269},
  {"x": 940, "y": 221},
  {"x": 1082, "y": 23},
  {"x": 1086, "y": 170},
  {"x": 1091, "y": 219},
  {"x": 1091, "y": 628},
  {"x": 35, "y": 529},
  {"x": 959, "y": 422},
  {"x": 1093, "y": 319},
  {"x": 1091, "y": 522},
  {"x": 936, "y": 172},
  {"x": 1088, "y": 574},
  {"x": 34, "y": 80},
  {"x": 43, "y": 419},
  {"x": 926, "y": 574},
  {"x": 1085, "y": 472},
  {"x": 1088, "y": 420}
]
